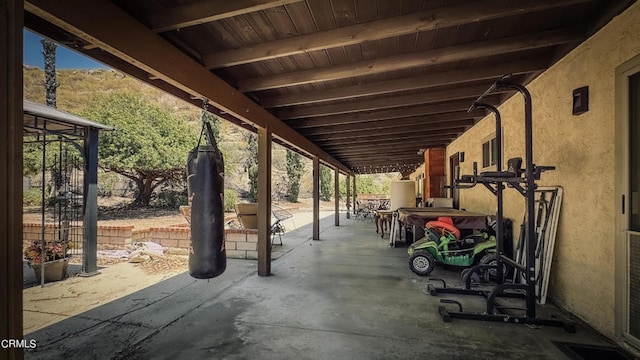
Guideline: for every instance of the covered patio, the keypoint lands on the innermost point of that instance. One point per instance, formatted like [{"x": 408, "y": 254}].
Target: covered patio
[{"x": 366, "y": 87}]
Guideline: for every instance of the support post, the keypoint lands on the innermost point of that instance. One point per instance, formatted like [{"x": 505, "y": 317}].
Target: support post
[
  {"x": 316, "y": 198},
  {"x": 337, "y": 196},
  {"x": 264, "y": 201},
  {"x": 348, "y": 182},
  {"x": 355, "y": 195},
  {"x": 90, "y": 232},
  {"x": 11, "y": 23}
]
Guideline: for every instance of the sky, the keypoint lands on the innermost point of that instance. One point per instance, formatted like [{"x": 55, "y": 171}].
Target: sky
[{"x": 65, "y": 58}]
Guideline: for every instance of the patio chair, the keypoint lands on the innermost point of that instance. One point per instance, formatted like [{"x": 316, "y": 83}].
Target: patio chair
[
  {"x": 358, "y": 211},
  {"x": 277, "y": 228}
]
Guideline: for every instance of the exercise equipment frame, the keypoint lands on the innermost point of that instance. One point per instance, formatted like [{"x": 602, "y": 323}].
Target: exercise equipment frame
[{"x": 495, "y": 181}]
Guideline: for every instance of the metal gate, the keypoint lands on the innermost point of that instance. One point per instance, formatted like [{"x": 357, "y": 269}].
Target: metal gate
[{"x": 66, "y": 204}]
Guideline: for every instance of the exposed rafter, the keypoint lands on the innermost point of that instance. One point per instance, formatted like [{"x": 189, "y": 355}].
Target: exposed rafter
[
  {"x": 468, "y": 93},
  {"x": 432, "y": 19},
  {"x": 406, "y": 61},
  {"x": 203, "y": 11},
  {"x": 368, "y": 136},
  {"x": 392, "y": 114},
  {"x": 409, "y": 83},
  {"x": 437, "y": 121}
]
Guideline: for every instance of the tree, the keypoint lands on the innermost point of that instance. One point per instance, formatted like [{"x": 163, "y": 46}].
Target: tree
[
  {"x": 251, "y": 164},
  {"x": 295, "y": 169},
  {"x": 149, "y": 145},
  {"x": 326, "y": 183}
]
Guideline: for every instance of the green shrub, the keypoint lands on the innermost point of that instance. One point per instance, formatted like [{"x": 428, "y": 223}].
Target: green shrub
[
  {"x": 32, "y": 197},
  {"x": 171, "y": 199},
  {"x": 230, "y": 200}
]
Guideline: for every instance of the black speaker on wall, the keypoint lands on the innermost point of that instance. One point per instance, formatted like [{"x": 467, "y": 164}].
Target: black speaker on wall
[{"x": 580, "y": 100}]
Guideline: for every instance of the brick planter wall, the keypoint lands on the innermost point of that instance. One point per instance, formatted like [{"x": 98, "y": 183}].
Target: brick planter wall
[{"x": 240, "y": 243}]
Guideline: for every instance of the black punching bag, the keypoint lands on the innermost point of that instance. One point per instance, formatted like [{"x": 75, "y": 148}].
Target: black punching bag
[{"x": 205, "y": 170}]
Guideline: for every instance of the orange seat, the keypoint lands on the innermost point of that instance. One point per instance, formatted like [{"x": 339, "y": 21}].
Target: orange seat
[{"x": 444, "y": 223}]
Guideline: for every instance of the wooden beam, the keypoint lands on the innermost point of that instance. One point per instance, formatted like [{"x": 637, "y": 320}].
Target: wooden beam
[
  {"x": 376, "y": 115},
  {"x": 406, "y": 61},
  {"x": 203, "y": 11},
  {"x": 443, "y": 17},
  {"x": 264, "y": 201},
  {"x": 346, "y": 151},
  {"x": 469, "y": 94},
  {"x": 426, "y": 142},
  {"x": 384, "y": 153},
  {"x": 375, "y": 146},
  {"x": 383, "y": 166},
  {"x": 393, "y": 132},
  {"x": 437, "y": 121},
  {"x": 135, "y": 44},
  {"x": 418, "y": 134},
  {"x": 490, "y": 73},
  {"x": 316, "y": 198},
  {"x": 386, "y": 163},
  {"x": 11, "y": 28}
]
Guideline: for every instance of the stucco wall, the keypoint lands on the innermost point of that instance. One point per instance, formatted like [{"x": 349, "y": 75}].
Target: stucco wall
[{"x": 583, "y": 150}]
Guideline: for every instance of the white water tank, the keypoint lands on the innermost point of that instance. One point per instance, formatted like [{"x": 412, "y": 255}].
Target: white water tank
[{"x": 403, "y": 194}]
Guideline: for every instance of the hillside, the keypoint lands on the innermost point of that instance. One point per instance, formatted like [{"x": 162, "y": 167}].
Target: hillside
[{"x": 77, "y": 88}]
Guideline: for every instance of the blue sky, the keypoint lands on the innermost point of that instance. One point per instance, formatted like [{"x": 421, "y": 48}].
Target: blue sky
[{"x": 65, "y": 58}]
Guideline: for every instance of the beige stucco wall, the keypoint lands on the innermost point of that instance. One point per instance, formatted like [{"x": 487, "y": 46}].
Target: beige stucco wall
[{"x": 583, "y": 150}]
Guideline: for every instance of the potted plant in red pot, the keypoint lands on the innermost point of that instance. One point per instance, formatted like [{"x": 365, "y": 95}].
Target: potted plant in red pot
[{"x": 56, "y": 259}]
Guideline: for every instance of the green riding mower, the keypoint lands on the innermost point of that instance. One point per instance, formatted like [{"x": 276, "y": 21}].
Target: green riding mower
[{"x": 442, "y": 244}]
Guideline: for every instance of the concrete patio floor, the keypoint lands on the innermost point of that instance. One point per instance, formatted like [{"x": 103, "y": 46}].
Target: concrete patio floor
[{"x": 346, "y": 296}]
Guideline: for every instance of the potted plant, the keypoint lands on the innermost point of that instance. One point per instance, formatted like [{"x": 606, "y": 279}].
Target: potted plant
[{"x": 56, "y": 259}]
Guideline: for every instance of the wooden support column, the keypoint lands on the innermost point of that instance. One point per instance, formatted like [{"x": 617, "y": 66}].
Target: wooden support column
[
  {"x": 316, "y": 198},
  {"x": 355, "y": 195},
  {"x": 264, "y": 201},
  {"x": 337, "y": 196},
  {"x": 11, "y": 22},
  {"x": 348, "y": 181}
]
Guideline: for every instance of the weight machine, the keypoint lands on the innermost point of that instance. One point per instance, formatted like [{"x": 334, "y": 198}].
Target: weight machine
[{"x": 496, "y": 181}]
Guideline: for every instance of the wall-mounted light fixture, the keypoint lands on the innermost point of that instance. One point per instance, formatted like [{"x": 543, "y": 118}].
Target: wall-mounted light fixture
[
  {"x": 580, "y": 100},
  {"x": 461, "y": 156}
]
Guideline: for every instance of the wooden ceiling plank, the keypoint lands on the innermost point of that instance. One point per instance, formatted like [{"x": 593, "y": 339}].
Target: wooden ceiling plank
[
  {"x": 425, "y": 81},
  {"x": 135, "y": 44},
  {"x": 375, "y": 145},
  {"x": 459, "y": 118},
  {"x": 391, "y": 149},
  {"x": 382, "y": 155},
  {"x": 203, "y": 11},
  {"x": 398, "y": 133},
  {"x": 405, "y": 61},
  {"x": 416, "y": 135},
  {"x": 448, "y": 16},
  {"x": 375, "y": 115},
  {"x": 384, "y": 103}
]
